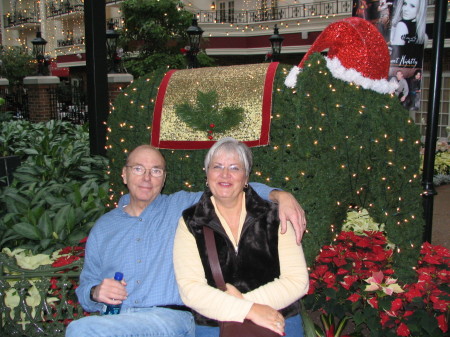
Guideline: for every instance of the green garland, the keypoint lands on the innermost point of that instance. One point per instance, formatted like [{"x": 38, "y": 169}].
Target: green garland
[
  {"x": 333, "y": 145},
  {"x": 206, "y": 114}
]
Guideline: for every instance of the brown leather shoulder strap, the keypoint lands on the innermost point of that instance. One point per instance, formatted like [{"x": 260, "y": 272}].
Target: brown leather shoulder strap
[{"x": 213, "y": 258}]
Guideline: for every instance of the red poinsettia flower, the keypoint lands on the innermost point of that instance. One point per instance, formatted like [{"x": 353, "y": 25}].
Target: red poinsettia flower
[
  {"x": 403, "y": 330},
  {"x": 397, "y": 304},
  {"x": 323, "y": 274},
  {"x": 342, "y": 271},
  {"x": 348, "y": 281},
  {"x": 373, "y": 301},
  {"x": 384, "y": 318},
  {"x": 442, "y": 323},
  {"x": 354, "y": 297},
  {"x": 439, "y": 304},
  {"x": 412, "y": 293},
  {"x": 432, "y": 259}
]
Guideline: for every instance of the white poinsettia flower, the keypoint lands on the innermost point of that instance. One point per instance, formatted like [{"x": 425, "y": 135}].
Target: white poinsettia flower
[{"x": 395, "y": 288}]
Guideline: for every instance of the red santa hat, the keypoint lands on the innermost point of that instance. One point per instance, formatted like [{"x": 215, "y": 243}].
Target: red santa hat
[{"x": 357, "y": 53}]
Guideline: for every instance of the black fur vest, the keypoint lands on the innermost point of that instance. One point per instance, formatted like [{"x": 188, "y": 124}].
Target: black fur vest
[{"x": 256, "y": 261}]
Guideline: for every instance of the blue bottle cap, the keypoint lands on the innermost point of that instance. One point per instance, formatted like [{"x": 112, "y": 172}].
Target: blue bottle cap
[{"x": 118, "y": 276}]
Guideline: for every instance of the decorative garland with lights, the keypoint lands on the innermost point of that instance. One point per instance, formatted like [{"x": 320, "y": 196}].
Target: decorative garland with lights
[
  {"x": 334, "y": 145},
  {"x": 208, "y": 115}
]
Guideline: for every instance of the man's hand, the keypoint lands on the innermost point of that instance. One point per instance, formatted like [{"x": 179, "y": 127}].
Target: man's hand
[
  {"x": 289, "y": 210},
  {"x": 110, "y": 291}
]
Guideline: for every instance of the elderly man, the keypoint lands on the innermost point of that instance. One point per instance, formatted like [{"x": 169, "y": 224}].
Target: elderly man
[{"x": 136, "y": 239}]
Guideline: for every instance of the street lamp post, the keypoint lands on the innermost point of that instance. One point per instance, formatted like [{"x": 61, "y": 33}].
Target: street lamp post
[
  {"x": 276, "y": 41},
  {"x": 194, "y": 33},
  {"x": 111, "y": 49},
  {"x": 39, "y": 53}
]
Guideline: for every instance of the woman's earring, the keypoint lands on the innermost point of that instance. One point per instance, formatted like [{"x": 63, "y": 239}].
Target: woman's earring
[
  {"x": 245, "y": 186},
  {"x": 206, "y": 184}
]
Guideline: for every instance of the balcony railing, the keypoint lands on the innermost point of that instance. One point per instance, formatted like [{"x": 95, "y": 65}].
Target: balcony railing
[
  {"x": 17, "y": 18},
  {"x": 66, "y": 7},
  {"x": 70, "y": 42},
  {"x": 291, "y": 12}
]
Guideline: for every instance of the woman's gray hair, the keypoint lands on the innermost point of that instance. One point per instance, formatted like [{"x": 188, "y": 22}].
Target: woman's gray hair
[{"x": 230, "y": 144}]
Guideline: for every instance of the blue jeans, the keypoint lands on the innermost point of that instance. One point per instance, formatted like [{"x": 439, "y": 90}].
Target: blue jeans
[
  {"x": 293, "y": 328},
  {"x": 135, "y": 322}
]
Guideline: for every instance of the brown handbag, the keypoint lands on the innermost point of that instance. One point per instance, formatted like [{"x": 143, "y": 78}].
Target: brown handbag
[{"x": 230, "y": 329}]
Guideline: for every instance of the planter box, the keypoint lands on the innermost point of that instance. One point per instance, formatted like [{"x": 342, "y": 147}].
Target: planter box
[{"x": 7, "y": 168}]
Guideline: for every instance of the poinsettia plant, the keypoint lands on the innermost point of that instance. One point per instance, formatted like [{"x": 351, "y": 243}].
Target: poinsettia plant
[{"x": 353, "y": 277}]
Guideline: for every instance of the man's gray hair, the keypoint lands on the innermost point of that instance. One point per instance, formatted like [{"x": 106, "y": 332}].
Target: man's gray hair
[{"x": 230, "y": 144}]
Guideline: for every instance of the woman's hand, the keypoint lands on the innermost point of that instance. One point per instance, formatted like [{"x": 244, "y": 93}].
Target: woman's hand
[
  {"x": 232, "y": 290},
  {"x": 267, "y": 317}
]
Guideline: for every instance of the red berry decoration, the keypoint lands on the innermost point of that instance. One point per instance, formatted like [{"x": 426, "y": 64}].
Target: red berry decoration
[
  {"x": 211, "y": 125},
  {"x": 210, "y": 137}
]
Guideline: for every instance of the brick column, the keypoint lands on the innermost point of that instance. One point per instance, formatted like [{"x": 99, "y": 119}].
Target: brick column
[
  {"x": 41, "y": 97},
  {"x": 116, "y": 84}
]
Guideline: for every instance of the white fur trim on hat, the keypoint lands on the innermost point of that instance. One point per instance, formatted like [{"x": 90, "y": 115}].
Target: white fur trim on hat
[
  {"x": 381, "y": 86},
  {"x": 291, "y": 78}
]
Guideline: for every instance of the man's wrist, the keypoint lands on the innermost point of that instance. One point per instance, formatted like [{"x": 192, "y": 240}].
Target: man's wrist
[
  {"x": 273, "y": 195},
  {"x": 91, "y": 293}
]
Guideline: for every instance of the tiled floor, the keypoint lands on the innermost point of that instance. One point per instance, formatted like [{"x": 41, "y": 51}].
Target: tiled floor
[{"x": 440, "y": 233}]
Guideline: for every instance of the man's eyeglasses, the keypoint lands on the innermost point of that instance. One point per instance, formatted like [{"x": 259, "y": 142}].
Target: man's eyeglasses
[{"x": 140, "y": 170}]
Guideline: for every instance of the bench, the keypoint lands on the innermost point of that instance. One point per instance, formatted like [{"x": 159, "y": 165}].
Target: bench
[{"x": 39, "y": 302}]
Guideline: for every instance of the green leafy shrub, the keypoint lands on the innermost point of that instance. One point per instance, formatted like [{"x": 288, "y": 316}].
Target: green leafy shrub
[
  {"x": 17, "y": 63},
  {"x": 59, "y": 190}
]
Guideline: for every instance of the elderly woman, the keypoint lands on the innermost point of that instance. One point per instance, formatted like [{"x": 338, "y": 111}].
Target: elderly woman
[{"x": 265, "y": 272}]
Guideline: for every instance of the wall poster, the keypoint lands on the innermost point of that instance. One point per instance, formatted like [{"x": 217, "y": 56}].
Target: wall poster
[{"x": 402, "y": 24}]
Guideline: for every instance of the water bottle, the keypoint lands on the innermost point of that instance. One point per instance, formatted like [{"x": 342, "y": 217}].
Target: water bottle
[{"x": 113, "y": 309}]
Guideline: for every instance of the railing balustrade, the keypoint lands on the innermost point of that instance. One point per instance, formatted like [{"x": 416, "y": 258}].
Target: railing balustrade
[
  {"x": 291, "y": 12},
  {"x": 18, "y": 18},
  {"x": 70, "y": 41},
  {"x": 65, "y": 7},
  {"x": 37, "y": 302}
]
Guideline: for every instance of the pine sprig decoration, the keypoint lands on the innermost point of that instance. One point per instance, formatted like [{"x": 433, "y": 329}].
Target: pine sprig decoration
[{"x": 207, "y": 115}]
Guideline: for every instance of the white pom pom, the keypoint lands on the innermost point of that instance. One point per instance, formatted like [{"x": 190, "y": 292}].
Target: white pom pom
[{"x": 291, "y": 78}]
